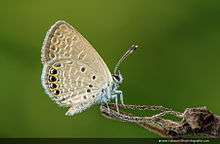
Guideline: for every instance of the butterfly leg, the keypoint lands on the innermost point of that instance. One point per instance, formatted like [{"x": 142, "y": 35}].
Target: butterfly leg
[
  {"x": 120, "y": 95},
  {"x": 116, "y": 104},
  {"x": 108, "y": 107},
  {"x": 115, "y": 96},
  {"x": 105, "y": 98}
]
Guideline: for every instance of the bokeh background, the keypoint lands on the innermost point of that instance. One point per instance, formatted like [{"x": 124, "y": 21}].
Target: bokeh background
[{"x": 177, "y": 65}]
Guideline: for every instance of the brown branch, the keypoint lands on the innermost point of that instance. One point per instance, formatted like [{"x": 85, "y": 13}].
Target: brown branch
[{"x": 194, "y": 122}]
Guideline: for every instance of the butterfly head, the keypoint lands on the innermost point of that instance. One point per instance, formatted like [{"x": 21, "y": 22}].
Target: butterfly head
[{"x": 117, "y": 78}]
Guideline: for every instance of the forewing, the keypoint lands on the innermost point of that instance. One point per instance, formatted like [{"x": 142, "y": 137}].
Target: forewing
[{"x": 64, "y": 41}]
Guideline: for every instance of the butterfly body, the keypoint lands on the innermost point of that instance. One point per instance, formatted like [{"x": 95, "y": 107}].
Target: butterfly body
[{"x": 74, "y": 75}]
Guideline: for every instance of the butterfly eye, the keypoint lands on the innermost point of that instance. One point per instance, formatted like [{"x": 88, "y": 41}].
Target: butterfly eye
[
  {"x": 116, "y": 77},
  {"x": 90, "y": 86}
]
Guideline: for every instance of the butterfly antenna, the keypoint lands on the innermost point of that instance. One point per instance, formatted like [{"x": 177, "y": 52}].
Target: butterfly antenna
[{"x": 123, "y": 58}]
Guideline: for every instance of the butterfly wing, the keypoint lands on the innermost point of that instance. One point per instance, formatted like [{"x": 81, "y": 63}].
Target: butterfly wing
[{"x": 73, "y": 74}]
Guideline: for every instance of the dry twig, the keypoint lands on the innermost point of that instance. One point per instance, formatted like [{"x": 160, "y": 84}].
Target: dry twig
[{"x": 195, "y": 122}]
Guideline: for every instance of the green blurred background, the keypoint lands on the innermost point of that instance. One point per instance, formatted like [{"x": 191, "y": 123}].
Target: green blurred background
[{"x": 178, "y": 64}]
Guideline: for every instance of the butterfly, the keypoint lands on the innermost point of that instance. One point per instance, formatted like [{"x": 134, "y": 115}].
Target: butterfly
[{"x": 74, "y": 75}]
